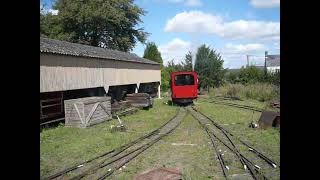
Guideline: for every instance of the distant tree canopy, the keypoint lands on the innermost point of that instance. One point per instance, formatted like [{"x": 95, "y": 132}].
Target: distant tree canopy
[
  {"x": 152, "y": 53},
  {"x": 187, "y": 64},
  {"x": 250, "y": 74},
  {"x": 109, "y": 24},
  {"x": 209, "y": 66}
]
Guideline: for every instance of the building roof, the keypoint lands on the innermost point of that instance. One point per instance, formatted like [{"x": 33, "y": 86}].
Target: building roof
[
  {"x": 73, "y": 49},
  {"x": 273, "y": 60}
]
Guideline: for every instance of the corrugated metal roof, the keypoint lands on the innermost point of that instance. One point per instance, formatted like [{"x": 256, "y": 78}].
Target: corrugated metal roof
[
  {"x": 66, "y": 48},
  {"x": 273, "y": 60}
]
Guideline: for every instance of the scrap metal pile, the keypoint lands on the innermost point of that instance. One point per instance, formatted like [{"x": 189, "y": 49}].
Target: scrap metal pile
[{"x": 140, "y": 100}]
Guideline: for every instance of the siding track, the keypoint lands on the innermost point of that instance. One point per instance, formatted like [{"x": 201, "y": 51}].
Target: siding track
[
  {"x": 228, "y": 146},
  {"x": 105, "y": 165}
]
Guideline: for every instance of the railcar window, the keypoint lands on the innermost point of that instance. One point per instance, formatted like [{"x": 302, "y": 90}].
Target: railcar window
[{"x": 183, "y": 80}]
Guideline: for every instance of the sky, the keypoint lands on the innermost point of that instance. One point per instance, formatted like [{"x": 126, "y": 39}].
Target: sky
[{"x": 233, "y": 28}]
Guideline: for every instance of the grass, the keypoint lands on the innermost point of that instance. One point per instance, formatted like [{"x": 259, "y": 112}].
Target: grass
[
  {"x": 62, "y": 147},
  {"x": 259, "y": 91}
]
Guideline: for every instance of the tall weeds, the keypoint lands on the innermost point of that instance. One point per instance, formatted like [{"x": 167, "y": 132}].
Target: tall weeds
[{"x": 259, "y": 91}]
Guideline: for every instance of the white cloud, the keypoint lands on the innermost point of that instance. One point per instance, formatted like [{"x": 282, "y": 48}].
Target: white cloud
[
  {"x": 244, "y": 48},
  {"x": 192, "y": 3},
  {"x": 199, "y": 22},
  {"x": 175, "y": 49},
  {"x": 235, "y": 55},
  {"x": 265, "y": 3},
  {"x": 276, "y": 46},
  {"x": 44, "y": 10},
  {"x": 53, "y": 12}
]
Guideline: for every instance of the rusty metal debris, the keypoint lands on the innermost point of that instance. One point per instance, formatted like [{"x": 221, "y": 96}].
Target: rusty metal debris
[
  {"x": 125, "y": 112},
  {"x": 140, "y": 100},
  {"x": 269, "y": 119},
  {"x": 119, "y": 127},
  {"x": 253, "y": 125},
  {"x": 119, "y": 106},
  {"x": 160, "y": 174},
  {"x": 275, "y": 104}
]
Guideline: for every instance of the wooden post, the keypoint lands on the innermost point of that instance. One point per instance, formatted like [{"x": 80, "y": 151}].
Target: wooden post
[
  {"x": 137, "y": 88},
  {"x": 265, "y": 62},
  {"x": 159, "y": 91},
  {"x": 106, "y": 89}
]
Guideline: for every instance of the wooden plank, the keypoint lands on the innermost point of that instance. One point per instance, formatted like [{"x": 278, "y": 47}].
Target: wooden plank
[
  {"x": 106, "y": 110},
  {"x": 55, "y": 120},
  {"x": 49, "y": 100},
  {"x": 61, "y": 102},
  {"x": 41, "y": 114},
  {"x": 99, "y": 117},
  {"x": 50, "y": 115},
  {"x": 51, "y": 105},
  {"x": 76, "y": 107},
  {"x": 138, "y": 95},
  {"x": 91, "y": 112}
]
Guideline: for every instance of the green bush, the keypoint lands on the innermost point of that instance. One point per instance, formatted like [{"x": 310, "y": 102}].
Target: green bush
[
  {"x": 250, "y": 75},
  {"x": 273, "y": 78}
]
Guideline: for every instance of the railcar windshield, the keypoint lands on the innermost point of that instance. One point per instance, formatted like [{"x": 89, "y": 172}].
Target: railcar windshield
[{"x": 184, "y": 80}]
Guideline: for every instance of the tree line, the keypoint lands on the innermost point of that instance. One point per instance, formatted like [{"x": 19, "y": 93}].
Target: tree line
[
  {"x": 108, "y": 24},
  {"x": 252, "y": 75},
  {"x": 208, "y": 64}
]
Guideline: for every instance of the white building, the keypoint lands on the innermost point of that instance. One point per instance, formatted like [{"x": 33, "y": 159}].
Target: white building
[{"x": 273, "y": 63}]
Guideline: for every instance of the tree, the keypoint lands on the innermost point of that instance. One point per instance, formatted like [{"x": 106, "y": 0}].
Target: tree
[
  {"x": 152, "y": 53},
  {"x": 232, "y": 77},
  {"x": 104, "y": 23},
  {"x": 209, "y": 66},
  {"x": 250, "y": 74},
  {"x": 187, "y": 64}
]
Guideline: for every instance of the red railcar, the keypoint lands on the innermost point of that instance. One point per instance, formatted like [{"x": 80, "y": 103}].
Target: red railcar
[{"x": 184, "y": 86}]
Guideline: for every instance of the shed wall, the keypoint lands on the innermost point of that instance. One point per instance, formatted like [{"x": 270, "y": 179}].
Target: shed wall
[{"x": 62, "y": 72}]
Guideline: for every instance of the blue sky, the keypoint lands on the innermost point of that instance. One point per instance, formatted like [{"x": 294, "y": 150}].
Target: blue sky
[{"x": 234, "y": 28}]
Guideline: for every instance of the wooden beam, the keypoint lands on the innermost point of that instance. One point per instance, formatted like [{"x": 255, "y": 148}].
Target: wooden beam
[
  {"x": 92, "y": 111},
  {"x": 76, "y": 107},
  {"x": 51, "y": 105},
  {"x": 55, "y": 120}
]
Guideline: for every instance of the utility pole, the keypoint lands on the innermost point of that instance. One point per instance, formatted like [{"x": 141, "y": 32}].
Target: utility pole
[
  {"x": 265, "y": 62},
  {"x": 247, "y": 60}
]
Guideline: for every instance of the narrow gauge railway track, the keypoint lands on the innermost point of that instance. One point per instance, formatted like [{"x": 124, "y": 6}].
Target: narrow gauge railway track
[
  {"x": 220, "y": 138},
  {"x": 221, "y": 102},
  {"x": 106, "y": 164},
  {"x": 252, "y": 149}
]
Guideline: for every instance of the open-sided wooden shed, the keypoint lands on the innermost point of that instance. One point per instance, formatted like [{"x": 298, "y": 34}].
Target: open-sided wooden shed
[{"x": 70, "y": 70}]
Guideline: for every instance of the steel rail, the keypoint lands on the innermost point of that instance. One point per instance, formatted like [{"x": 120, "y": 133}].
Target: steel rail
[
  {"x": 116, "y": 150},
  {"x": 221, "y": 161},
  {"x": 145, "y": 147},
  {"x": 255, "y": 174},
  {"x": 237, "y": 105},
  {"x": 254, "y": 150}
]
